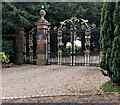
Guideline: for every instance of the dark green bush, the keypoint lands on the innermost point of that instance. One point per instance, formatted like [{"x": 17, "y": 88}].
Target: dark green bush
[
  {"x": 115, "y": 53},
  {"x": 8, "y": 48},
  {"x": 110, "y": 40}
]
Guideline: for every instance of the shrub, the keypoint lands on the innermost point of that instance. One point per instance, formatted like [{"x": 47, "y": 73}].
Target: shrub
[
  {"x": 8, "y": 48},
  {"x": 4, "y": 58},
  {"x": 110, "y": 40}
]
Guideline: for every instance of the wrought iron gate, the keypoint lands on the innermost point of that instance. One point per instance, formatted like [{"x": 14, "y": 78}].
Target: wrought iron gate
[
  {"x": 71, "y": 31},
  {"x": 30, "y": 47}
]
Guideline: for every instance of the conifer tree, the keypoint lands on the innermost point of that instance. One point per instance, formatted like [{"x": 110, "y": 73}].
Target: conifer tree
[
  {"x": 107, "y": 35},
  {"x": 115, "y": 55}
]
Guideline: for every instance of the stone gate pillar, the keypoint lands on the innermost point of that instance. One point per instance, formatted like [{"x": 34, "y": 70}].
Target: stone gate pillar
[
  {"x": 42, "y": 29},
  {"x": 19, "y": 45}
]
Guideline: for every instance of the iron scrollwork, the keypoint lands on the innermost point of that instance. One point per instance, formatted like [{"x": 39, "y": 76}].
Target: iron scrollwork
[{"x": 71, "y": 24}]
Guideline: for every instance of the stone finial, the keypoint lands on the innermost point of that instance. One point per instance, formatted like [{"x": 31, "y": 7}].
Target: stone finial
[{"x": 42, "y": 14}]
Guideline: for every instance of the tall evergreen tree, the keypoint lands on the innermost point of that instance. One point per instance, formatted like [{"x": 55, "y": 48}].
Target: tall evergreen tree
[
  {"x": 107, "y": 35},
  {"x": 115, "y": 55},
  {"x": 110, "y": 40}
]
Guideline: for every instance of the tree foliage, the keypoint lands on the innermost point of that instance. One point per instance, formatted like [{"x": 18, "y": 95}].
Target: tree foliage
[
  {"x": 115, "y": 55},
  {"x": 16, "y": 14},
  {"x": 26, "y": 13},
  {"x": 109, "y": 40},
  {"x": 107, "y": 33}
]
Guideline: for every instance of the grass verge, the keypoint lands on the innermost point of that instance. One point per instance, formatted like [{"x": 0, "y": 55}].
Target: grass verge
[{"x": 109, "y": 87}]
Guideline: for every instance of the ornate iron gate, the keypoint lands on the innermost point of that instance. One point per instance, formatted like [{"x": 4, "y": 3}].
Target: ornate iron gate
[
  {"x": 30, "y": 47},
  {"x": 63, "y": 47}
]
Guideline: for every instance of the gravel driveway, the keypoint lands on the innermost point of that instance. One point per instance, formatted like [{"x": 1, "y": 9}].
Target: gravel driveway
[{"x": 51, "y": 80}]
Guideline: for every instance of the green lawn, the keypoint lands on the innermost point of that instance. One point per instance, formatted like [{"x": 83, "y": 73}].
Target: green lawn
[{"x": 109, "y": 87}]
